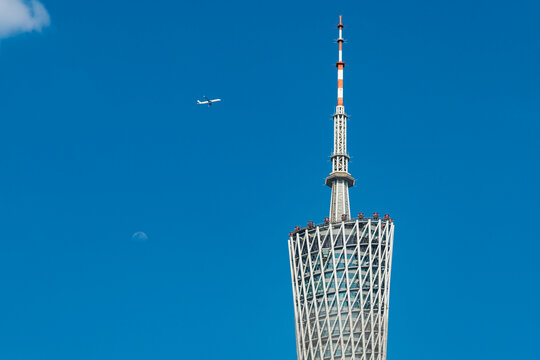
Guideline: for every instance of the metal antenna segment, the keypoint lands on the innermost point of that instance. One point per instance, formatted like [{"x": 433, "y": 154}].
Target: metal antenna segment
[{"x": 339, "y": 179}]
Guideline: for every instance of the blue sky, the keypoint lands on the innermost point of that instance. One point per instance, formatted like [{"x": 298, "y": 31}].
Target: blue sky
[{"x": 100, "y": 138}]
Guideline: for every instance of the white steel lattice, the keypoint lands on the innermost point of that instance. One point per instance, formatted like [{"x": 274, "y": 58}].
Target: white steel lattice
[{"x": 341, "y": 286}]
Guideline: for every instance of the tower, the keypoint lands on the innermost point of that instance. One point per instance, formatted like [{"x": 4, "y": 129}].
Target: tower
[{"x": 340, "y": 270}]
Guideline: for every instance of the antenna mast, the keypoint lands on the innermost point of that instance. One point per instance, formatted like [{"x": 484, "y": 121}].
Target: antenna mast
[{"x": 339, "y": 179}]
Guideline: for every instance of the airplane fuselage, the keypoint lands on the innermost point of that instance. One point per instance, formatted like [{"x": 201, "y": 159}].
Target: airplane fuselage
[{"x": 209, "y": 102}]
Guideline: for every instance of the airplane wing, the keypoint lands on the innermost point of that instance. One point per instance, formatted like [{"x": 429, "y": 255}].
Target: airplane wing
[{"x": 207, "y": 99}]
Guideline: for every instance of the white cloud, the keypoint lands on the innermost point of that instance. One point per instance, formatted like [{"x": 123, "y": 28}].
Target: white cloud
[{"x": 17, "y": 16}]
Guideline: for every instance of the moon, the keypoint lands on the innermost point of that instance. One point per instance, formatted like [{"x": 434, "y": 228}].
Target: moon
[{"x": 139, "y": 237}]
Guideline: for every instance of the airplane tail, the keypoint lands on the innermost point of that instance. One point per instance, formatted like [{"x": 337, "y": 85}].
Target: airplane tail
[{"x": 198, "y": 102}]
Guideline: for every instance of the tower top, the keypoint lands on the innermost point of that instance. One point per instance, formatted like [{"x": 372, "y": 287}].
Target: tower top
[{"x": 339, "y": 179}]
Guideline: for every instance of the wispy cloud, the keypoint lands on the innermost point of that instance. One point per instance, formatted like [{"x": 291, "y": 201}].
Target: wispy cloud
[{"x": 17, "y": 16}]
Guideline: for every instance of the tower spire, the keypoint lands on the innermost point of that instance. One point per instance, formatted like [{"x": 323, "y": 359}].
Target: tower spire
[
  {"x": 339, "y": 179},
  {"x": 340, "y": 64}
]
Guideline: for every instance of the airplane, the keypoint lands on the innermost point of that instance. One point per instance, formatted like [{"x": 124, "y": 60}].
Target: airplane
[{"x": 208, "y": 101}]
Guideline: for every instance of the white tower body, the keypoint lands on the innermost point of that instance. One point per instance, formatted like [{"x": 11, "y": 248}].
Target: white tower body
[
  {"x": 341, "y": 288},
  {"x": 341, "y": 270}
]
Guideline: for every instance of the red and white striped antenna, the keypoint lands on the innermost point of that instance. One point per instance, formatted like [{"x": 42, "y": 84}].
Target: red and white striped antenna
[{"x": 340, "y": 65}]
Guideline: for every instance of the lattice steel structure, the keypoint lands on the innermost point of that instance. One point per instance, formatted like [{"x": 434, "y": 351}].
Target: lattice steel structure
[
  {"x": 341, "y": 287},
  {"x": 341, "y": 270}
]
